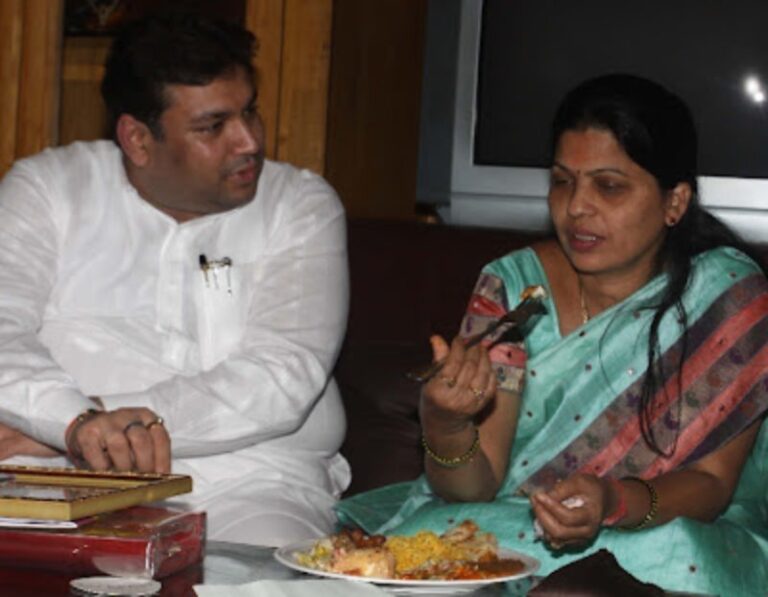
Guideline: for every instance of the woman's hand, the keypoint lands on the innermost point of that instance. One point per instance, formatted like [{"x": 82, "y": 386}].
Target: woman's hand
[
  {"x": 590, "y": 498},
  {"x": 453, "y": 398},
  {"x": 125, "y": 439},
  {"x": 465, "y": 419}
]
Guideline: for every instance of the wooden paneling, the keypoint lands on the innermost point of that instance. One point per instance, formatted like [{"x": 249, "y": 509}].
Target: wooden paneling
[
  {"x": 30, "y": 41},
  {"x": 293, "y": 64},
  {"x": 304, "y": 83},
  {"x": 10, "y": 68},
  {"x": 265, "y": 19},
  {"x": 37, "y": 114},
  {"x": 82, "y": 109},
  {"x": 374, "y": 105}
]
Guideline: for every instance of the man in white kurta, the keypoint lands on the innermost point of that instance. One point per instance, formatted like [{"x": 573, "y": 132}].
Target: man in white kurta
[{"x": 223, "y": 318}]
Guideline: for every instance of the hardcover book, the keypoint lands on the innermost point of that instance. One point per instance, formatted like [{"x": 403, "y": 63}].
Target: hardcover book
[{"x": 70, "y": 494}]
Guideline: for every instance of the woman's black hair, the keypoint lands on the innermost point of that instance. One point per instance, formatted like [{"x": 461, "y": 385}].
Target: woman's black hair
[{"x": 656, "y": 130}]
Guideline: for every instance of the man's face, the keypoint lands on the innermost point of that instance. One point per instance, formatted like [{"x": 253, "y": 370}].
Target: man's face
[{"x": 211, "y": 152}]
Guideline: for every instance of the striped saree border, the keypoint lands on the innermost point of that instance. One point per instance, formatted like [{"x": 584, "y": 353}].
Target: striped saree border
[{"x": 724, "y": 389}]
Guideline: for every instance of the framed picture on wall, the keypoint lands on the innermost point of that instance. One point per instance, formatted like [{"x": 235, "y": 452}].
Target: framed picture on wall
[
  {"x": 94, "y": 17},
  {"x": 104, "y": 17}
]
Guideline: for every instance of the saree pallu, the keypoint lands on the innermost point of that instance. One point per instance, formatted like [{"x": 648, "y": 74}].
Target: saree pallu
[{"x": 579, "y": 413}]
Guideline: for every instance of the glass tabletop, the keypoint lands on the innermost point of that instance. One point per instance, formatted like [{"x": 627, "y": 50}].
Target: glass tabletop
[{"x": 224, "y": 564}]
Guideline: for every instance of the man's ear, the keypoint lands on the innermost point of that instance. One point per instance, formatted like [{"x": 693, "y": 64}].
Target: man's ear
[
  {"x": 135, "y": 139},
  {"x": 678, "y": 200}
]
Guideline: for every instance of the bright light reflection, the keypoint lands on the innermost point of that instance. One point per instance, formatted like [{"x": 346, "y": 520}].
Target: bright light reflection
[
  {"x": 751, "y": 85},
  {"x": 754, "y": 89}
]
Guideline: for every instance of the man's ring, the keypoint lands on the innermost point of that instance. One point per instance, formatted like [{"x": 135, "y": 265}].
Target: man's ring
[
  {"x": 136, "y": 423},
  {"x": 479, "y": 394},
  {"x": 153, "y": 422},
  {"x": 449, "y": 381}
]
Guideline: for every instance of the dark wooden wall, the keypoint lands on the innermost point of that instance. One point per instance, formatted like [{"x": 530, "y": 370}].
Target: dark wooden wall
[{"x": 374, "y": 104}]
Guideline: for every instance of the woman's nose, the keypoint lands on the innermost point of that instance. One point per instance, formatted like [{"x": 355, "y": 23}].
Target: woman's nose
[{"x": 580, "y": 202}]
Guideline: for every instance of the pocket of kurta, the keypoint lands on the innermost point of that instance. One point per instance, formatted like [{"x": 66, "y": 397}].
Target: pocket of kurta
[{"x": 221, "y": 312}]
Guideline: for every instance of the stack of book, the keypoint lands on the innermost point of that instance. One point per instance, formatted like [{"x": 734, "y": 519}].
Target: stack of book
[{"x": 86, "y": 522}]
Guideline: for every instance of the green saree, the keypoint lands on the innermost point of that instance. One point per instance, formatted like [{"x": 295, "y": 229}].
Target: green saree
[{"x": 579, "y": 413}]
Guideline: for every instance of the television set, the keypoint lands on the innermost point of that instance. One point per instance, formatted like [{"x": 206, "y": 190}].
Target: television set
[{"x": 495, "y": 71}]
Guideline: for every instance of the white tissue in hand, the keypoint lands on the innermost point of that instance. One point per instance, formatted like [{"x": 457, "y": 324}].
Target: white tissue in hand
[{"x": 574, "y": 501}]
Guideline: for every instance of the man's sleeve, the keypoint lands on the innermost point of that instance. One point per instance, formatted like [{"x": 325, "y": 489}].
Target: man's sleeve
[
  {"x": 36, "y": 396},
  {"x": 267, "y": 388}
]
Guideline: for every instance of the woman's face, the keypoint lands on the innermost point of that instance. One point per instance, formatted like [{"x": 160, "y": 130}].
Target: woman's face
[{"x": 609, "y": 213}]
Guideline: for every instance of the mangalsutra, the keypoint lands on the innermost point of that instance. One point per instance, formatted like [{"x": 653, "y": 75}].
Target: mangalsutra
[{"x": 584, "y": 311}]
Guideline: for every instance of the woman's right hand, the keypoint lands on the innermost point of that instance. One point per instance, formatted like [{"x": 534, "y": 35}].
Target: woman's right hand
[
  {"x": 453, "y": 398},
  {"x": 468, "y": 424}
]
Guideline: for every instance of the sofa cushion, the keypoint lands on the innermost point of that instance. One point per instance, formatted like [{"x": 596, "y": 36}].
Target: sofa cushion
[
  {"x": 408, "y": 280},
  {"x": 382, "y": 442}
]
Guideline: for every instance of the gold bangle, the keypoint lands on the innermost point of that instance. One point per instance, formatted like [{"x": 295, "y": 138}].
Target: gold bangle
[
  {"x": 652, "y": 510},
  {"x": 457, "y": 461},
  {"x": 84, "y": 416},
  {"x": 73, "y": 426}
]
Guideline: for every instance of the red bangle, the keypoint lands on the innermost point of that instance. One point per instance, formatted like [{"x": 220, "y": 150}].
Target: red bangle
[{"x": 620, "y": 511}]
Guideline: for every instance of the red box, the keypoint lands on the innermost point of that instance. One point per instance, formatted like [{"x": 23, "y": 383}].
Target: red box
[{"x": 139, "y": 541}]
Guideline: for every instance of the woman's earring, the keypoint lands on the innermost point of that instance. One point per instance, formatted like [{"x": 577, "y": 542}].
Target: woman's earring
[{"x": 671, "y": 221}]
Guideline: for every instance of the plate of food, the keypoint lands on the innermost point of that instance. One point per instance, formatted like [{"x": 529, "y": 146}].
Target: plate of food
[{"x": 460, "y": 560}]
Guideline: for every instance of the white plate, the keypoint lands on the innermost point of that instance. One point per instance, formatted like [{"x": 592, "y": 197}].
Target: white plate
[{"x": 288, "y": 557}]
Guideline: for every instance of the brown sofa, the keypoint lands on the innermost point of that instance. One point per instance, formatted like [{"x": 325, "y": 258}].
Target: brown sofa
[{"x": 408, "y": 280}]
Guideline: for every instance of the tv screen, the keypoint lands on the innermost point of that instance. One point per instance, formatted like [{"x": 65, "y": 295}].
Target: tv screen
[
  {"x": 713, "y": 54},
  {"x": 495, "y": 71}
]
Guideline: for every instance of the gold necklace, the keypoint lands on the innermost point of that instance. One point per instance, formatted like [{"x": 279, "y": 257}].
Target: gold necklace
[{"x": 584, "y": 311}]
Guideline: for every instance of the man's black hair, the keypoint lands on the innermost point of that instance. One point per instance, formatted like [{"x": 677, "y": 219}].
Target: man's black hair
[{"x": 153, "y": 52}]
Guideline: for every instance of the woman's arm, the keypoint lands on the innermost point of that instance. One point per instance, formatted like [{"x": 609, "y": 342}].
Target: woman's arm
[
  {"x": 460, "y": 406},
  {"x": 701, "y": 491}
]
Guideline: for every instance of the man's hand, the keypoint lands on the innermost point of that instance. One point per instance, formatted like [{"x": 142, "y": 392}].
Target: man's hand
[
  {"x": 15, "y": 443},
  {"x": 126, "y": 439}
]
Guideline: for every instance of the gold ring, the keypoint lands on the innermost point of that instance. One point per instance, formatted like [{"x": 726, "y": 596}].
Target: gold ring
[
  {"x": 153, "y": 422},
  {"x": 449, "y": 381},
  {"x": 136, "y": 423},
  {"x": 479, "y": 394}
]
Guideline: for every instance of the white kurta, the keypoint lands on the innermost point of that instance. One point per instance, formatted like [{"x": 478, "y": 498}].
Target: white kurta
[{"x": 101, "y": 294}]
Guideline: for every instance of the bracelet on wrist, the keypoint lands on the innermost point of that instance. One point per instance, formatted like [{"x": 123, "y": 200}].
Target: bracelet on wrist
[
  {"x": 653, "y": 509},
  {"x": 84, "y": 416},
  {"x": 456, "y": 461},
  {"x": 620, "y": 509}
]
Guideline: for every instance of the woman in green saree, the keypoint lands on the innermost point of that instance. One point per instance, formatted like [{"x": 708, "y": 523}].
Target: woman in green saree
[{"x": 629, "y": 416}]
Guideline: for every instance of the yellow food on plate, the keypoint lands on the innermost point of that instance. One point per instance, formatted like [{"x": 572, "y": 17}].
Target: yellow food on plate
[
  {"x": 460, "y": 543},
  {"x": 461, "y": 553}
]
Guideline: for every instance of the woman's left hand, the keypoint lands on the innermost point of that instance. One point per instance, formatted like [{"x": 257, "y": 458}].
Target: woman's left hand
[{"x": 569, "y": 526}]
